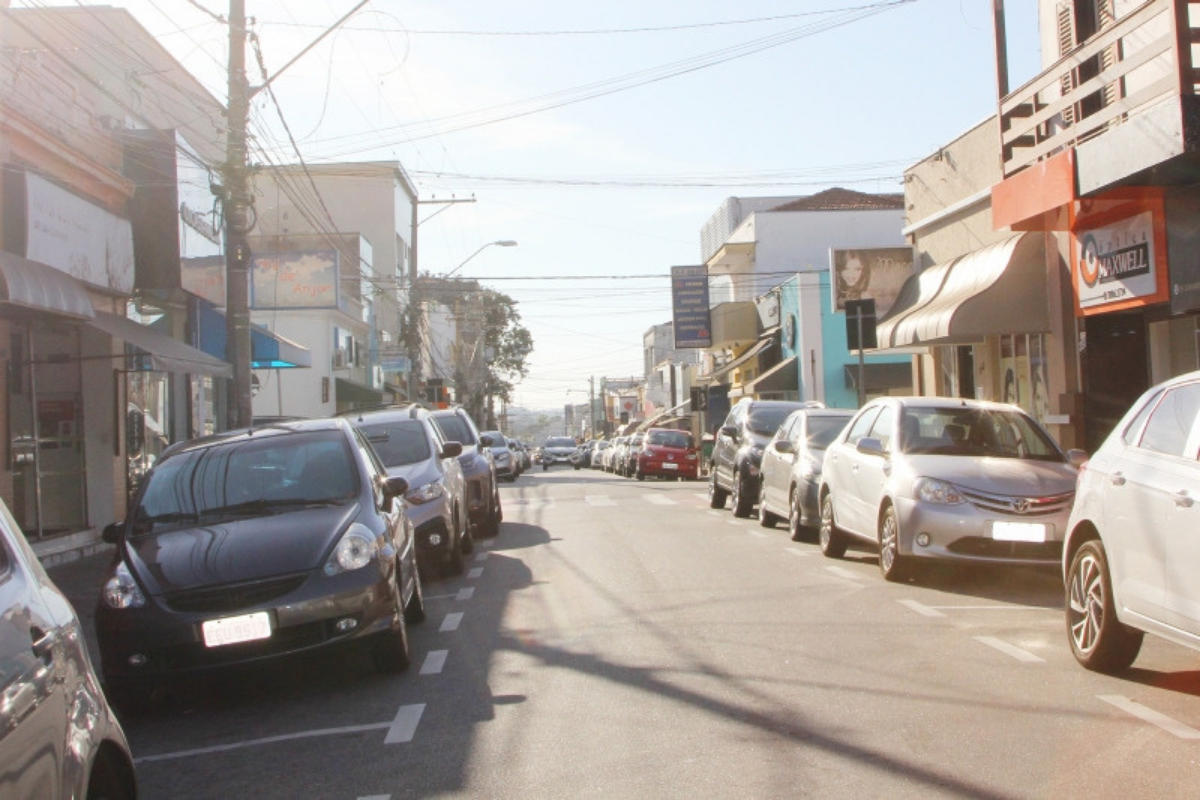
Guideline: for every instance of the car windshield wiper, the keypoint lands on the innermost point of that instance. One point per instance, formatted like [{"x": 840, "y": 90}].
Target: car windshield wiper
[{"x": 264, "y": 506}]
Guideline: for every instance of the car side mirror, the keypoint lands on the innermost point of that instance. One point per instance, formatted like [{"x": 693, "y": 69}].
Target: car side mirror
[
  {"x": 730, "y": 431},
  {"x": 113, "y": 533},
  {"x": 784, "y": 446},
  {"x": 393, "y": 487},
  {"x": 870, "y": 446},
  {"x": 451, "y": 450},
  {"x": 485, "y": 440},
  {"x": 1077, "y": 457}
]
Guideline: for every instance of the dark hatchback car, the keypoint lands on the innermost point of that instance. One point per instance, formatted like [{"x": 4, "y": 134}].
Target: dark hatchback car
[
  {"x": 411, "y": 446},
  {"x": 738, "y": 451},
  {"x": 256, "y": 544},
  {"x": 58, "y": 736},
  {"x": 483, "y": 493}
]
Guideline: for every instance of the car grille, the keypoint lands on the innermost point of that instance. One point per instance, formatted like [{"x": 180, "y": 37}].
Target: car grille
[
  {"x": 232, "y": 597},
  {"x": 995, "y": 549},
  {"x": 1019, "y": 505}
]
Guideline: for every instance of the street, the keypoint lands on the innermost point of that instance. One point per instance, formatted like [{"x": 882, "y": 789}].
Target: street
[{"x": 622, "y": 639}]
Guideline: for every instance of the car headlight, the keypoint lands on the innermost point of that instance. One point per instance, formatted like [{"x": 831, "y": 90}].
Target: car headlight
[
  {"x": 932, "y": 490},
  {"x": 426, "y": 493},
  {"x": 121, "y": 591},
  {"x": 354, "y": 550}
]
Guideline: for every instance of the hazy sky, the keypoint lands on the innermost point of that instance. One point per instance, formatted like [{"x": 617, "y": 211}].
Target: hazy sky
[{"x": 601, "y": 136}]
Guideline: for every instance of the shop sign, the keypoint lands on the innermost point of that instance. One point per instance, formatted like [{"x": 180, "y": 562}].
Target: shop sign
[
  {"x": 689, "y": 302},
  {"x": 1116, "y": 263},
  {"x": 295, "y": 280}
]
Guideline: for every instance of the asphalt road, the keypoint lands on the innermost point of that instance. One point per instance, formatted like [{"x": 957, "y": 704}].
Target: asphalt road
[{"x": 622, "y": 639}]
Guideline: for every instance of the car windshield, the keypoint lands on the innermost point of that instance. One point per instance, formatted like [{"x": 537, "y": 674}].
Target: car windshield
[
  {"x": 824, "y": 430},
  {"x": 499, "y": 442},
  {"x": 247, "y": 478},
  {"x": 670, "y": 439},
  {"x": 400, "y": 443},
  {"x": 454, "y": 429},
  {"x": 767, "y": 419},
  {"x": 998, "y": 433},
  {"x": 560, "y": 442}
]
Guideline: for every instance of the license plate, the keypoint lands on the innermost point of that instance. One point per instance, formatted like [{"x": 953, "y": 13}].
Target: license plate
[
  {"x": 670, "y": 466},
  {"x": 1019, "y": 532},
  {"x": 243, "y": 628}
]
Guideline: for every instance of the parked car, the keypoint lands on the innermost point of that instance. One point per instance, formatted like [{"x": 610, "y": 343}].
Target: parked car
[
  {"x": 558, "y": 450},
  {"x": 521, "y": 452},
  {"x": 483, "y": 491},
  {"x": 667, "y": 453},
  {"x": 946, "y": 479},
  {"x": 738, "y": 449},
  {"x": 410, "y": 445},
  {"x": 599, "y": 450},
  {"x": 255, "y": 544},
  {"x": 629, "y": 454},
  {"x": 58, "y": 736},
  {"x": 1131, "y": 553},
  {"x": 613, "y": 456},
  {"x": 502, "y": 456},
  {"x": 791, "y": 468}
]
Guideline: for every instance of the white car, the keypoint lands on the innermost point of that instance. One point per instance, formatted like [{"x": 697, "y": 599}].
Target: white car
[
  {"x": 946, "y": 479},
  {"x": 1132, "y": 550}
]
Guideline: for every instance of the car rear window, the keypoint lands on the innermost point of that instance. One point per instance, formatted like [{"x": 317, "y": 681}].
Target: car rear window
[
  {"x": 454, "y": 429},
  {"x": 399, "y": 443},
  {"x": 670, "y": 439}
]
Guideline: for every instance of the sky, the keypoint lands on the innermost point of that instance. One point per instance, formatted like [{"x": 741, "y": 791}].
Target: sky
[{"x": 602, "y": 136}]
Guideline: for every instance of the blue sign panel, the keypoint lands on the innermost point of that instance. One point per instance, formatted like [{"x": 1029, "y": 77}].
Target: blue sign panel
[{"x": 689, "y": 300}]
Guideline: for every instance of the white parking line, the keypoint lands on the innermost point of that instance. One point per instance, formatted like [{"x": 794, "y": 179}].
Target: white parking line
[
  {"x": 715, "y": 513},
  {"x": 660, "y": 500},
  {"x": 451, "y": 622},
  {"x": 1019, "y": 654},
  {"x": 921, "y": 609},
  {"x": 475, "y": 572},
  {"x": 465, "y": 594},
  {"x": 842, "y": 572},
  {"x": 481, "y": 557},
  {"x": 1170, "y": 725},
  {"x": 434, "y": 662},
  {"x": 405, "y": 725},
  {"x": 734, "y": 521},
  {"x": 282, "y": 738},
  {"x": 599, "y": 500},
  {"x": 760, "y": 534},
  {"x": 797, "y": 552},
  {"x": 701, "y": 495}
]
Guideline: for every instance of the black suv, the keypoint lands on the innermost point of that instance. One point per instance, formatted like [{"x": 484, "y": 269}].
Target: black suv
[
  {"x": 483, "y": 493},
  {"x": 737, "y": 452},
  {"x": 410, "y": 445}
]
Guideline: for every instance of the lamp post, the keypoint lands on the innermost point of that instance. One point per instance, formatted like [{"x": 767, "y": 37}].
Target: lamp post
[{"x": 504, "y": 243}]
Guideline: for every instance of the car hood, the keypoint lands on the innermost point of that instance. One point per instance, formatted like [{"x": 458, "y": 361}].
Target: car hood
[
  {"x": 999, "y": 476},
  {"x": 237, "y": 550},
  {"x": 418, "y": 474},
  {"x": 559, "y": 451}
]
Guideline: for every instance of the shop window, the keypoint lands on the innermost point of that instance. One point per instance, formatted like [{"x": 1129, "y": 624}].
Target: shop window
[{"x": 1025, "y": 373}]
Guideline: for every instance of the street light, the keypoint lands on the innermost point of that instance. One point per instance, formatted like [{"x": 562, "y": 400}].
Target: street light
[{"x": 504, "y": 243}]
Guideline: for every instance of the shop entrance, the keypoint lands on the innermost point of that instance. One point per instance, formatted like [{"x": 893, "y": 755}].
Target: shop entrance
[{"x": 1116, "y": 371}]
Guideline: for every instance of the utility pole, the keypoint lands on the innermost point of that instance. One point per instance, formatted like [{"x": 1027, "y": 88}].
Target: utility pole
[{"x": 237, "y": 225}]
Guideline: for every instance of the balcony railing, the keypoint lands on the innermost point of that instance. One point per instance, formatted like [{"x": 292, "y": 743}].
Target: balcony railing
[{"x": 1143, "y": 58}]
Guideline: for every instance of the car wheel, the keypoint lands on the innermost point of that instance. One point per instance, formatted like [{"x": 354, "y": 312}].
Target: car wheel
[
  {"x": 1099, "y": 640},
  {"x": 391, "y": 653},
  {"x": 765, "y": 519},
  {"x": 455, "y": 562},
  {"x": 467, "y": 535},
  {"x": 893, "y": 565},
  {"x": 716, "y": 495},
  {"x": 832, "y": 540},
  {"x": 743, "y": 498},
  {"x": 414, "y": 610},
  {"x": 794, "y": 527}
]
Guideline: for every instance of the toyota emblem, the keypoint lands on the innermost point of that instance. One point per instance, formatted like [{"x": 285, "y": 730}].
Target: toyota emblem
[{"x": 1021, "y": 505}]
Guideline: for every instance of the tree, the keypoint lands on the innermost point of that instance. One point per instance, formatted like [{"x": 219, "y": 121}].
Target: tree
[{"x": 506, "y": 345}]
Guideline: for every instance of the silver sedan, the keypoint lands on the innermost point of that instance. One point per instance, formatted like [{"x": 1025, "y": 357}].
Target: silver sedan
[
  {"x": 948, "y": 479},
  {"x": 791, "y": 468}
]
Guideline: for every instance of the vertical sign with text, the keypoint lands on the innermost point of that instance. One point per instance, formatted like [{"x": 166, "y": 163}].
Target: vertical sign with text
[{"x": 689, "y": 301}]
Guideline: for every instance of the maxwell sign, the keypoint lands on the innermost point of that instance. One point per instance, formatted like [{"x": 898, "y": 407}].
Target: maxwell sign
[{"x": 1116, "y": 263}]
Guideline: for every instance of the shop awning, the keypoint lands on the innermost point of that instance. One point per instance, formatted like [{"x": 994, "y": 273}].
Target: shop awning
[
  {"x": 165, "y": 354},
  {"x": 37, "y": 286},
  {"x": 999, "y": 289},
  {"x": 755, "y": 349},
  {"x": 268, "y": 350},
  {"x": 783, "y": 377},
  {"x": 881, "y": 376},
  {"x": 354, "y": 392}
]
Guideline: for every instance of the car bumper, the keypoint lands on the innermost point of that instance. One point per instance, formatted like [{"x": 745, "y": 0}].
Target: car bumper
[
  {"x": 965, "y": 533},
  {"x": 169, "y": 642},
  {"x": 660, "y": 467}
]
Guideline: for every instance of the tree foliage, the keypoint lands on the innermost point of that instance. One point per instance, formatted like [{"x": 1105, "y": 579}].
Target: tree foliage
[{"x": 507, "y": 345}]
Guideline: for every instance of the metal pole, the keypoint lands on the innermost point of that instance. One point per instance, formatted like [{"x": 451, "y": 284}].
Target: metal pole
[
  {"x": 237, "y": 225},
  {"x": 862, "y": 389}
]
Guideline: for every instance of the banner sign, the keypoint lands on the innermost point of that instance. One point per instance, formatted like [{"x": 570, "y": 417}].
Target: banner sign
[
  {"x": 876, "y": 273},
  {"x": 1116, "y": 263},
  {"x": 296, "y": 280},
  {"x": 689, "y": 300}
]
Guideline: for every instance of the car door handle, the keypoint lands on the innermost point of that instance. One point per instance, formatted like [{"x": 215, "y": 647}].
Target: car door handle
[
  {"x": 43, "y": 644},
  {"x": 1183, "y": 500},
  {"x": 1118, "y": 479}
]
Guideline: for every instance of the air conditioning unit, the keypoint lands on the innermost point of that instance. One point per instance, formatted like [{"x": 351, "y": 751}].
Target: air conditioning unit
[{"x": 341, "y": 359}]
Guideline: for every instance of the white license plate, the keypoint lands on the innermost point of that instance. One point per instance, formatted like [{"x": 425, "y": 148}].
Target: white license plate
[
  {"x": 243, "y": 628},
  {"x": 670, "y": 466},
  {"x": 1018, "y": 532}
]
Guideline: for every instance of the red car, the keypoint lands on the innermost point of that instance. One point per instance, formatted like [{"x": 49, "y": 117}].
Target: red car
[{"x": 668, "y": 453}]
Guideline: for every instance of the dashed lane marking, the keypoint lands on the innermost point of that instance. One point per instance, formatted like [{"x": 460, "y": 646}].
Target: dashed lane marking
[
  {"x": 1020, "y": 654},
  {"x": 797, "y": 552},
  {"x": 660, "y": 500},
  {"x": 842, "y": 572},
  {"x": 481, "y": 557},
  {"x": 922, "y": 609},
  {"x": 434, "y": 662},
  {"x": 599, "y": 500},
  {"x": 1170, "y": 725},
  {"x": 762, "y": 535},
  {"x": 404, "y": 727},
  {"x": 451, "y": 621},
  {"x": 475, "y": 572},
  {"x": 465, "y": 594}
]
